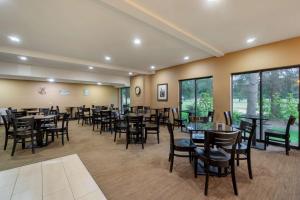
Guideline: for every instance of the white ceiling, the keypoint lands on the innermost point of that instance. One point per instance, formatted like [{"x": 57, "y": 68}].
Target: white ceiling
[{"x": 73, "y": 34}]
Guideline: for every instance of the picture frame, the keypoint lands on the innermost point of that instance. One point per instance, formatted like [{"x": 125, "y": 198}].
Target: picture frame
[{"x": 162, "y": 92}]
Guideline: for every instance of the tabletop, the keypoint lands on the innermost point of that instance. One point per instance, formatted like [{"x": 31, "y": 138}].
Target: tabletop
[
  {"x": 38, "y": 117},
  {"x": 210, "y": 126}
]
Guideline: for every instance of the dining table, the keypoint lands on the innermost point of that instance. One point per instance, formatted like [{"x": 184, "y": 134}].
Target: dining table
[
  {"x": 254, "y": 119},
  {"x": 39, "y": 119}
]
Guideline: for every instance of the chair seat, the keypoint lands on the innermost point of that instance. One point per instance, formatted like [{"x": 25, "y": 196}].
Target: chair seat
[
  {"x": 273, "y": 133},
  {"x": 151, "y": 126},
  {"x": 121, "y": 125},
  {"x": 184, "y": 144},
  {"x": 216, "y": 156},
  {"x": 198, "y": 137},
  {"x": 240, "y": 148}
]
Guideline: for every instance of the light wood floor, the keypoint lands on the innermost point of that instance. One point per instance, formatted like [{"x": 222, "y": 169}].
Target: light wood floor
[{"x": 144, "y": 174}]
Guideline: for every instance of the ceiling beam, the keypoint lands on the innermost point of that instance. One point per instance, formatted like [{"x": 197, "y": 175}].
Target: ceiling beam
[
  {"x": 142, "y": 14},
  {"x": 57, "y": 58}
]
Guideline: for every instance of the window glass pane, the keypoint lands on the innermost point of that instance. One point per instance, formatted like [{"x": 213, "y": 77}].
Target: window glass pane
[
  {"x": 245, "y": 94},
  {"x": 204, "y": 96},
  {"x": 280, "y": 92},
  {"x": 187, "y": 98}
]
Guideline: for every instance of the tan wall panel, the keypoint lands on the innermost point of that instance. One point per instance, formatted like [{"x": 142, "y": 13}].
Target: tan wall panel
[
  {"x": 19, "y": 94},
  {"x": 283, "y": 53}
]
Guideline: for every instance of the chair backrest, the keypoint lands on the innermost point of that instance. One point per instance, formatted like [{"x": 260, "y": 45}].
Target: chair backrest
[
  {"x": 105, "y": 114},
  {"x": 18, "y": 114},
  {"x": 170, "y": 129},
  {"x": 210, "y": 116},
  {"x": 23, "y": 125},
  {"x": 175, "y": 113},
  {"x": 228, "y": 118},
  {"x": 5, "y": 122},
  {"x": 221, "y": 139},
  {"x": 45, "y": 111},
  {"x": 166, "y": 112},
  {"x": 249, "y": 129},
  {"x": 290, "y": 123},
  {"x": 65, "y": 121},
  {"x": 146, "y": 109},
  {"x": 136, "y": 121},
  {"x": 104, "y": 107},
  {"x": 86, "y": 111},
  {"x": 57, "y": 109},
  {"x": 139, "y": 109},
  {"x": 198, "y": 119}
]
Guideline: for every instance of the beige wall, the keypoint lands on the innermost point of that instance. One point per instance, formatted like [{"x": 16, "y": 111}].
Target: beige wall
[
  {"x": 277, "y": 54},
  {"x": 20, "y": 94}
]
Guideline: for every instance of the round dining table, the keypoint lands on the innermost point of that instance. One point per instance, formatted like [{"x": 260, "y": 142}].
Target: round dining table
[{"x": 39, "y": 119}]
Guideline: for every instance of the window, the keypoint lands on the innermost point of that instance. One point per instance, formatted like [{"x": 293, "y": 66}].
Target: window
[
  {"x": 196, "y": 97},
  {"x": 125, "y": 97},
  {"x": 271, "y": 94}
]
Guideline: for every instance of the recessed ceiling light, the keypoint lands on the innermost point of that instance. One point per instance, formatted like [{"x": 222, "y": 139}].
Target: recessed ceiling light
[
  {"x": 137, "y": 41},
  {"x": 24, "y": 58},
  {"x": 99, "y": 83},
  {"x": 107, "y": 58},
  {"x": 51, "y": 80},
  {"x": 152, "y": 67},
  {"x": 91, "y": 67},
  {"x": 251, "y": 40},
  {"x": 14, "y": 38},
  {"x": 130, "y": 73},
  {"x": 186, "y": 58}
]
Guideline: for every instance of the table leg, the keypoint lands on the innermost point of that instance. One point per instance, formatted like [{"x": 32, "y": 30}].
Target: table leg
[{"x": 254, "y": 136}]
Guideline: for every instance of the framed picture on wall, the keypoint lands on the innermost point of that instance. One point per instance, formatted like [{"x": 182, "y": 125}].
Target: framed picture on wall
[{"x": 162, "y": 92}]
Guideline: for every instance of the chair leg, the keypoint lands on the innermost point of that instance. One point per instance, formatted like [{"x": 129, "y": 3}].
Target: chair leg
[
  {"x": 62, "y": 138},
  {"x": 287, "y": 146},
  {"x": 142, "y": 139},
  {"x": 115, "y": 135},
  {"x": 32, "y": 145},
  {"x": 171, "y": 161},
  {"x": 5, "y": 142},
  {"x": 233, "y": 179},
  {"x": 146, "y": 135},
  {"x": 237, "y": 159},
  {"x": 157, "y": 137},
  {"x": 206, "y": 168},
  {"x": 265, "y": 145},
  {"x": 127, "y": 140},
  {"x": 249, "y": 165},
  {"x": 14, "y": 147},
  {"x": 195, "y": 166},
  {"x": 67, "y": 134}
]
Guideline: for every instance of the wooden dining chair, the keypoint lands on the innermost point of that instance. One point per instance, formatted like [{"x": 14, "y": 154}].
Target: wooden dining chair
[
  {"x": 216, "y": 157},
  {"x": 243, "y": 149},
  {"x": 153, "y": 128},
  {"x": 280, "y": 136},
  {"x": 62, "y": 131},
  {"x": 179, "y": 147},
  {"x": 23, "y": 129},
  {"x": 8, "y": 129},
  {"x": 228, "y": 118},
  {"x": 177, "y": 121},
  {"x": 135, "y": 130}
]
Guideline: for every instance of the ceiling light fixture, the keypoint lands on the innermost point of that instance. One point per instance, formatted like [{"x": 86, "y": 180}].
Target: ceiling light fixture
[
  {"x": 107, "y": 58},
  {"x": 14, "y": 38},
  {"x": 51, "y": 80},
  {"x": 186, "y": 58},
  {"x": 137, "y": 41},
  {"x": 23, "y": 58},
  {"x": 91, "y": 67},
  {"x": 99, "y": 83},
  {"x": 130, "y": 73},
  {"x": 251, "y": 40},
  {"x": 152, "y": 67}
]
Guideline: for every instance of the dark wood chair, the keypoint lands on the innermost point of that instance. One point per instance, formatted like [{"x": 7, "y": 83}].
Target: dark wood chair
[
  {"x": 96, "y": 118},
  {"x": 44, "y": 111},
  {"x": 228, "y": 118},
  {"x": 216, "y": 157},
  {"x": 243, "y": 149},
  {"x": 280, "y": 137},
  {"x": 79, "y": 113},
  {"x": 177, "y": 121},
  {"x": 106, "y": 120},
  {"x": 182, "y": 145},
  {"x": 8, "y": 129},
  {"x": 23, "y": 129},
  {"x": 153, "y": 128},
  {"x": 120, "y": 126},
  {"x": 140, "y": 109},
  {"x": 135, "y": 130},
  {"x": 60, "y": 131},
  {"x": 86, "y": 116},
  {"x": 166, "y": 116}
]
